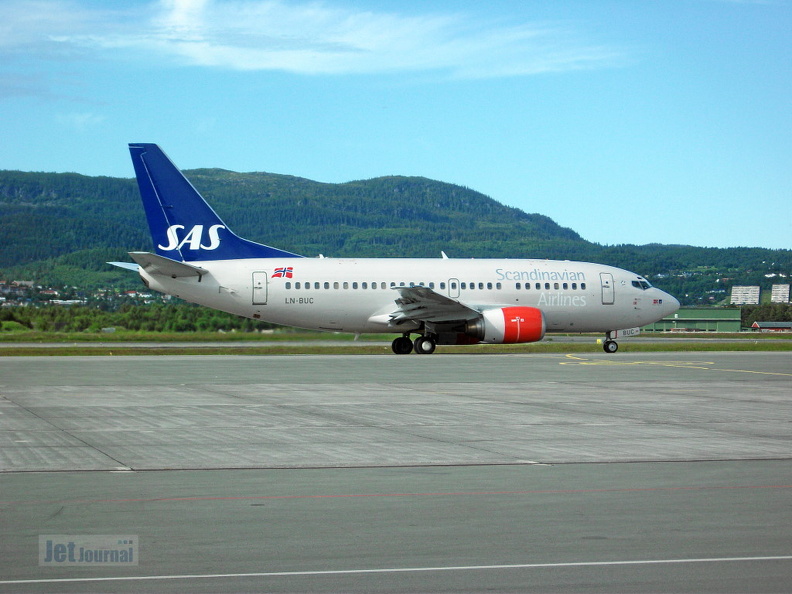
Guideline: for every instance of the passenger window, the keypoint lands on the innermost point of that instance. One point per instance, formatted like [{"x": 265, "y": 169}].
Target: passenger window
[
  {"x": 346, "y": 285},
  {"x": 442, "y": 286},
  {"x": 538, "y": 286},
  {"x": 498, "y": 286},
  {"x": 566, "y": 286},
  {"x": 327, "y": 285},
  {"x": 288, "y": 285},
  {"x": 555, "y": 286},
  {"x": 462, "y": 285},
  {"x": 574, "y": 286},
  {"x": 481, "y": 286},
  {"x": 431, "y": 285},
  {"x": 364, "y": 285},
  {"x": 489, "y": 286},
  {"x": 583, "y": 286},
  {"x": 296, "y": 285},
  {"x": 354, "y": 285},
  {"x": 547, "y": 286},
  {"x": 517, "y": 286}
]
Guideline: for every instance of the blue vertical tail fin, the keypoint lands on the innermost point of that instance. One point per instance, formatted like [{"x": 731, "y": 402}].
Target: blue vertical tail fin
[{"x": 183, "y": 226}]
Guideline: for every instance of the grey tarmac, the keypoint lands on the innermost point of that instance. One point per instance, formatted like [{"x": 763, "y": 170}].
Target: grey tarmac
[{"x": 585, "y": 472}]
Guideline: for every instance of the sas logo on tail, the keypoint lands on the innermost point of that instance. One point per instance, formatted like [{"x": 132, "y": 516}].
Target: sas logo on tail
[{"x": 193, "y": 238}]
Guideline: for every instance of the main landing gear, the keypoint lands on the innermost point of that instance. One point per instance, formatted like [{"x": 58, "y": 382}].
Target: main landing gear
[
  {"x": 423, "y": 345},
  {"x": 402, "y": 345}
]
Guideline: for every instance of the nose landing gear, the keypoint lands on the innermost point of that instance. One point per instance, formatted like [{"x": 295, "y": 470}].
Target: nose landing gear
[{"x": 610, "y": 345}]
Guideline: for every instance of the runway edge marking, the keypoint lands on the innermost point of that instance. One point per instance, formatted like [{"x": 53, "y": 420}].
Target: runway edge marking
[{"x": 398, "y": 570}]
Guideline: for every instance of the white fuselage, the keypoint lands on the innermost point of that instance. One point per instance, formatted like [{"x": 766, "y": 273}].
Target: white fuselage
[{"x": 357, "y": 295}]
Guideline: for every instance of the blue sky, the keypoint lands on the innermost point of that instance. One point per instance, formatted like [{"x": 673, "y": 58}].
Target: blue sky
[{"x": 630, "y": 121}]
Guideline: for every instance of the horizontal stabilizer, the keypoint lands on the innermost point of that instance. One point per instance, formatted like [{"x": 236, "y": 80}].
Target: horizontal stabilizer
[
  {"x": 154, "y": 264},
  {"x": 125, "y": 265}
]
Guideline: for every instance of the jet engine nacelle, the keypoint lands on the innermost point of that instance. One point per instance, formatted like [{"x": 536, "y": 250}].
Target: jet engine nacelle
[{"x": 507, "y": 325}]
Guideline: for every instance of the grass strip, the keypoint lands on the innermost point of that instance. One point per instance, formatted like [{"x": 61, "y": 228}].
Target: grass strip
[{"x": 361, "y": 348}]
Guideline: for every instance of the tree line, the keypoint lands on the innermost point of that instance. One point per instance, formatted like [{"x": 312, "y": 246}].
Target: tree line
[
  {"x": 156, "y": 317},
  {"x": 767, "y": 312}
]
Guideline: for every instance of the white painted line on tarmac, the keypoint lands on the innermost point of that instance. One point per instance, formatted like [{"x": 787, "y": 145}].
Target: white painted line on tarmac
[{"x": 393, "y": 570}]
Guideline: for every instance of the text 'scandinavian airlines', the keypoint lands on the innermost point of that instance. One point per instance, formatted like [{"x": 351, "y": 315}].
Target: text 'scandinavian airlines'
[{"x": 442, "y": 300}]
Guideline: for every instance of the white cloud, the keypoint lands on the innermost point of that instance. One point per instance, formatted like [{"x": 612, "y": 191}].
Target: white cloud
[
  {"x": 31, "y": 27},
  {"x": 305, "y": 38},
  {"x": 81, "y": 122}
]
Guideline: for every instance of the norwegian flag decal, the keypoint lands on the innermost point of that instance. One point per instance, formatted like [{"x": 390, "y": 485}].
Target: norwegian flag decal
[{"x": 283, "y": 272}]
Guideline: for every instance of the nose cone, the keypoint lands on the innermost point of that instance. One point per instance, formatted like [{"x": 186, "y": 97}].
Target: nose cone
[{"x": 670, "y": 304}]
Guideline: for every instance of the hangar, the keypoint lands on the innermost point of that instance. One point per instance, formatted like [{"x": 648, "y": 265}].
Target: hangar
[{"x": 699, "y": 319}]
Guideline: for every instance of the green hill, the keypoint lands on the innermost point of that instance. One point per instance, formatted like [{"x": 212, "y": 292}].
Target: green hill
[{"x": 49, "y": 215}]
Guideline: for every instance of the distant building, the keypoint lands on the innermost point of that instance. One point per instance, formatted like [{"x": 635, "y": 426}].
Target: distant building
[
  {"x": 746, "y": 295},
  {"x": 772, "y": 326},
  {"x": 699, "y": 319},
  {"x": 780, "y": 294}
]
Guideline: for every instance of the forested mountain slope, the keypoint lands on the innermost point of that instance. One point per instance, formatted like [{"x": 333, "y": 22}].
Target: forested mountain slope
[{"x": 44, "y": 215}]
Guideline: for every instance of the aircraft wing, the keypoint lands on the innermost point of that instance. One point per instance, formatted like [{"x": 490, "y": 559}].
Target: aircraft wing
[
  {"x": 154, "y": 264},
  {"x": 425, "y": 305}
]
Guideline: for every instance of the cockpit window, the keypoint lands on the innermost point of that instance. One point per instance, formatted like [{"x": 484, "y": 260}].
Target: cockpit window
[{"x": 641, "y": 284}]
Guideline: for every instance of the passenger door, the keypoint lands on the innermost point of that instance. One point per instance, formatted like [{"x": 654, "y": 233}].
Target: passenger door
[
  {"x": 259, "y": 288},
  {"x": 608, "y": 290}
]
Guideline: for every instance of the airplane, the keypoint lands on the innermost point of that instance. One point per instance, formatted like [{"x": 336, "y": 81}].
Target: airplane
[{"x": 442, "y": 300}]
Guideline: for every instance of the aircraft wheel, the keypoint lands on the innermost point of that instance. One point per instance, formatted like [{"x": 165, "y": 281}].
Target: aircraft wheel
[
  {"x": 425, "y": 345},
  {"x": 610, "y": 346},
  {"x": 402, "y": 345}
]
